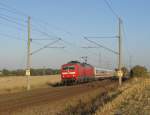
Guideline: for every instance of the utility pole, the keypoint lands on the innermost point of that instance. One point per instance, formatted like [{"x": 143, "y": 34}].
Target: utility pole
[
  {"x": 120, "y": 53},
  {"x": 28, "y": 57}
]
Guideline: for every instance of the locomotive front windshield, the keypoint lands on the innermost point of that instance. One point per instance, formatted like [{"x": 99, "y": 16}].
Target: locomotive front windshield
[{"x": 69, "y": 68}]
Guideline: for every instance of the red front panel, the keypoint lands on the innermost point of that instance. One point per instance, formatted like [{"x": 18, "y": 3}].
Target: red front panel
[
  {"x": 69, "y": 71},
  {"x": 76, "y": 71}
]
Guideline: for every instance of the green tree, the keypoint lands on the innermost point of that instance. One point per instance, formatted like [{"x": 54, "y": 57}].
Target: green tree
[
  {"x": 139, "y": 71},
  {"x": 5, "y": 72}
]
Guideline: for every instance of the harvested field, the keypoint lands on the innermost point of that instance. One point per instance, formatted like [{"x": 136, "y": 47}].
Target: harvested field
[
  {"x": 18, "y": 83},
  {"x": 98, "y": 97},
  {"x": 44, "y": 101},
  {"x": 133, "y": 99}
]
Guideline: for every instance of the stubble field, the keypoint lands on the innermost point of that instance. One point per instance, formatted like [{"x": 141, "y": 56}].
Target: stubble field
[{"x": 13, "y": 84}]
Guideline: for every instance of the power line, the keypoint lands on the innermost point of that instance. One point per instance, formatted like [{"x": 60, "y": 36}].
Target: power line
[
  {"x": 86, "y": 47},
  {"x": 111, "y": 9},
  {"x": 12, "y": 21},
  {"x": 50, "y": 25},
  {"x": 14, "y": 27},
  {"x": 41, "y": 39},
  {"x": 12, "y": 10},
  {"x": 102, "y": 37},
  {"x": 45, "y": 34},
  {"x": 15, "y": 11},
  {"x": 16, "y": 38},
  {"x": 57, "y": 47},
  {"x": 66, "y": 42},
  {"x": 47, "y": 45},
  {"x": 108, "y": 49},
  {"x": 11, "y": 37},
  {"x": 13, "y": 18}
]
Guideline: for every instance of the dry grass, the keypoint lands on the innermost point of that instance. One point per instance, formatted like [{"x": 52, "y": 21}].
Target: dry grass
[
  {"x": 68, "y": 106},
  {"x": 13, "y": 84},
  {"x": 89, "y": 103},
  {"x": 132, "y": 100}
]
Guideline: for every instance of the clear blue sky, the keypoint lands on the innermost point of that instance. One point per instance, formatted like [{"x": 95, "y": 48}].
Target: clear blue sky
[{"x": 71, "y": 20}]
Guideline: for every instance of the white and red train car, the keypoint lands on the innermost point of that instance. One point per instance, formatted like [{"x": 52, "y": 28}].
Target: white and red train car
[{"x": 76, "y": 71}]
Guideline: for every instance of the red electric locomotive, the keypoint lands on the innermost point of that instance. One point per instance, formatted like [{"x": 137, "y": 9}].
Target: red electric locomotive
[{"x": 76, "y": 71}]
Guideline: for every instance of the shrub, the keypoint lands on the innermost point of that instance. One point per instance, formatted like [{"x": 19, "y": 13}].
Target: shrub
[
  {"x": 5, "y": 72},
  {"x": 139, "y": 71}
]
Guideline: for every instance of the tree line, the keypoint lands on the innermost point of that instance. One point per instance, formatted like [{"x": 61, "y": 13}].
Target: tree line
[
  {"x": 136, "y": 71},
  {"x": 34, "y": 72}
]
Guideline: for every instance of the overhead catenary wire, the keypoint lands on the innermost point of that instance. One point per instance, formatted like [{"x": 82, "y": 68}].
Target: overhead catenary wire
[
  {"x": 41, "y": 39},
  {"x": 13, "y": 27},
  {"x": 111, "y": 9},
  {"x": 45, "y": 46},
  {"x": 12, "y": 17},
  {"x": 11, "y": 37},
  {"x": 12, "y": 21},
  {"x": 8, "y": 18},
  {"x": 57, "y": 47},
  {"x": 86, "y": 47},
  {"x": 15, "y": 11},
  {"x": 102, "y": 37},
  {"x": 108, "y": 49},
  {"x": 41, "y": 22},
  {"x": 45, "y": 33},
  {"x": 17, "y": 38},
  {"x": 12, "y": 10}
]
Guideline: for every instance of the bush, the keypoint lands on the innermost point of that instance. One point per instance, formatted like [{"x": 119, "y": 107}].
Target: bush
[
  {"x": 139, "y": 71},
  {"x": 5, "y": 72}
]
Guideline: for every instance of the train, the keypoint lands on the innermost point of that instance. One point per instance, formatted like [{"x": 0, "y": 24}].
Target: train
[
  {"x": 77, "y": 71},
  {"x": 81, "y": 72}
]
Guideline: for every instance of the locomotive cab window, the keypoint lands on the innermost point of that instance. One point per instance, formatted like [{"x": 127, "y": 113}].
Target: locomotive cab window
[
  {"x": 65, "y": 68},
  {"x": 69, "y": 68}
]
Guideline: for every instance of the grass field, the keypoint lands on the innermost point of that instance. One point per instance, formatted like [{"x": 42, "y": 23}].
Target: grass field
[
  {"x": 132, "y": 98},
  {"x": 14, "y": 83}
]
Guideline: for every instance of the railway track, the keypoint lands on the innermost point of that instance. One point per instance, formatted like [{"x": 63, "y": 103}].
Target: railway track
[
  {"x": 72, "y": 82},
  {"x": 13, "y": 102}
]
